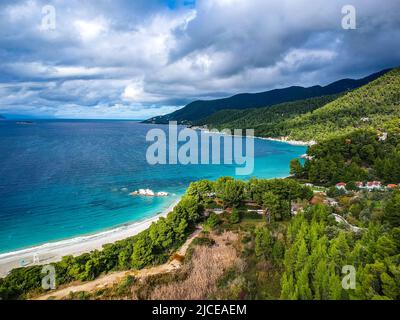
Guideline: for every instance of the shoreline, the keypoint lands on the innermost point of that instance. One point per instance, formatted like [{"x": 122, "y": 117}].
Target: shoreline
[
  {"x": 53, "y": 251},
  {"x": 291, "y": 142},
  {"x": 280, "y": 139}
]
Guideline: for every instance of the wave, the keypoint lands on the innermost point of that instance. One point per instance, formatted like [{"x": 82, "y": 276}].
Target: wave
[{"x": 102, "y": 235}]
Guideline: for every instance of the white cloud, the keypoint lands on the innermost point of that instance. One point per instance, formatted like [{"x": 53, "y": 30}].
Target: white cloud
[
  {"x": 133, "y": 91},
  {"x": 117, "y": 111},
  {"x": 298, "y": 58},
  {"x": 40, "y": 70},
  {"x": 133, "y": 56},
  {"x": 22, "y": 10},
  {"x": 90, "y": 30}
]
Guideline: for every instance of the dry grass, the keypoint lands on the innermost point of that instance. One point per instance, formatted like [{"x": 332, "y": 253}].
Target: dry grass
[
  {"x": 178, "y": 257},
  {"x": 207, "y": 266}
]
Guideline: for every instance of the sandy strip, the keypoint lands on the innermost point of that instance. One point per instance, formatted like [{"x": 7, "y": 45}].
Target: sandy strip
[
  {"x": 54, "y": 251},
  {"x": 281, "y": 139},
  {"x": 292, "y": 142}
]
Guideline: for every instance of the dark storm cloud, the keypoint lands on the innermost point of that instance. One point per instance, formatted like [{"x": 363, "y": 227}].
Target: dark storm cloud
[{"x": 143, "y": 58}]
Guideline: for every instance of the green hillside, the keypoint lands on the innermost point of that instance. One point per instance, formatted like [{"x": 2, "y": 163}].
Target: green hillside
[
  {"x": 362, "y": 155},
  {"x": 269, "y": 121},
  {"x": 197, "y": 110},
  {"x": 372, "y": 105}
]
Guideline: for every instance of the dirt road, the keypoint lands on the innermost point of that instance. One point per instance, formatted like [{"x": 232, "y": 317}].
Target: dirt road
[{"x": 112, "y": 278}]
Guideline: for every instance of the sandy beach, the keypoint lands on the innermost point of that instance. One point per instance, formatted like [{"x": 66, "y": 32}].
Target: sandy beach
[
  {"x": 280, "y": 139},
  {"x": 292, "y": 142},
  {"x": 54, "y": 251}
]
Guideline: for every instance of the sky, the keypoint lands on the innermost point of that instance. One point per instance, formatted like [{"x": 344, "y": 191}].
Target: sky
[{"x": 134, "y": 59}]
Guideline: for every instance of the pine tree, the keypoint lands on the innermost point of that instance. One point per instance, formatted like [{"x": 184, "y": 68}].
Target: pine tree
[
  {"x": 263, "y": 242},
  {"x": 278, "y": 252},
  {"x": 295, "y": 167},
  {"x": 302, "y": 256},
  {"x": 339, "y": 251},
  {"x": 302, "y": 285},
  {"x": 392, "y": 210},
  {"x": 321, "y": 281},
  {"x": 385, "y": 247},
  {"x": 288, "y": 291},
  {"x": 335, "y": 285},
  {"x": 273, "y": 204},
  {"x": 391, "y": 282}
]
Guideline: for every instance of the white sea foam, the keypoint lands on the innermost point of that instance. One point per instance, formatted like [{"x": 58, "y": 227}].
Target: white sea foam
[{"x": 54, "y": 251}]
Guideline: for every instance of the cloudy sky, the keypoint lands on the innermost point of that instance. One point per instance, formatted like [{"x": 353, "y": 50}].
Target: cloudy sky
[{"x": 136, "y": 59}]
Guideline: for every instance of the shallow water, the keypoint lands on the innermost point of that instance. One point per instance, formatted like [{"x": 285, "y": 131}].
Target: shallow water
[{"x": 60, "y": 179}]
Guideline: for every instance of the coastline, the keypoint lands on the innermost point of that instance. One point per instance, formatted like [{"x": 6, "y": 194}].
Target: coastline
[
  {"x": 54, "y": 251},
  {"x": 291, "y": 142},
  {"x": 280, "y": 139}
]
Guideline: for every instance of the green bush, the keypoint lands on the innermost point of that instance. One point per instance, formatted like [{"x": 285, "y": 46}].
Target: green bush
[{"x": 234, "y": 217}]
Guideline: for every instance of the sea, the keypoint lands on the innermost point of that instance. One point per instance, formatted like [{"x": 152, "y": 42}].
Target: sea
[{"x": 61, "y": 179}]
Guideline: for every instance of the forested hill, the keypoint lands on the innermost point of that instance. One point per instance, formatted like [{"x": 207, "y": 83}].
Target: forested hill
[
  {"x": 197, "y": 110},
  {"x": 373, "y": 105},
  {"x": 268, "y": 121}
]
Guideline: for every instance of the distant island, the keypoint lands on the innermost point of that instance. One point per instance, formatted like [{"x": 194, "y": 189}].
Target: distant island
[{"x": 25, "y": 122}]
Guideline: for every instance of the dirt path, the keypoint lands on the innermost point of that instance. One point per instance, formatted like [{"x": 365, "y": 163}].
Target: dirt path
[
  {"x": 113, "y": 278},
  {"x": 339, "y": 218}
]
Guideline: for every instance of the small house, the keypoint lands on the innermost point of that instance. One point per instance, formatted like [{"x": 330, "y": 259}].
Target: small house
[
  {"x": 359, "y": 184},
  {"x": 341, "y": 186},
  {"x": 374, "y": 185}
]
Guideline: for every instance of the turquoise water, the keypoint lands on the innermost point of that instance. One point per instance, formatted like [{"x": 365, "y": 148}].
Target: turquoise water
[{"x": 61, "y": 179}]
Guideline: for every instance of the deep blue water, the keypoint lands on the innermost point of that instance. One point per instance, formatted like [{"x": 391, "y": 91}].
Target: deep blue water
[{"x": 60, "y": 179}]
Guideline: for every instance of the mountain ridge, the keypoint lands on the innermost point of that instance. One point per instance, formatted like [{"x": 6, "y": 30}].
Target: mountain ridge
[
  {"x": 376, "y": 105},
  {"x": 199, "y": 109}
]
